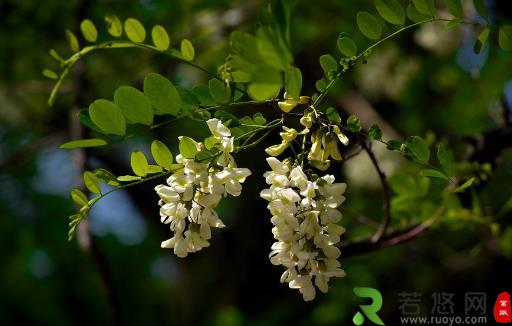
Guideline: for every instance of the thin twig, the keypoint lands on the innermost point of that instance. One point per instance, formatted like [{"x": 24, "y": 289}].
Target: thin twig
[
  {"x": 392, "y": 239},
  {"x": 385, "y": 188}
]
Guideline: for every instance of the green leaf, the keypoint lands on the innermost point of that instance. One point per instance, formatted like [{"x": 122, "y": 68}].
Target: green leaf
[
  {"x": 114, "y": 26},
  {"x": 416, "y": 146},
  {"x": 347, "y": 46},
  {"x": 162, "y": 94},
  {"x": 220, "y": 92},
  {"x": 85, "y": 119},
  {"x": 482, "y": 38},
  {"x": 505, "y": 37},
  {"x": 134, "y": 30},
  {"x": 452, "y": 24},
  {"x": 152, "y": 169},
  {"x": 94, "y": 142},
  {"x": 374, "y": 132},
  {"x": 135, "y": 106},
  {"x": 353, "y": 123},
  {"x": 106, "y": 176},
  {"x": 321, "y": 85},
  {"x": 426, "y": 7},
  {"x": 108, "y": 117},
  {"x": 481, "y": 8},
  {"x": 56, "y": 56},
  {"x": 430, "y": 173},
  {"x": 465, "y": 185},
  {"x": 187, "y": 147},
  {"x": 394, "y": 145},
  {"x": 128, "y": 178},
  {"x": 89, "y": 31},
  {"x": 391, "y": 10},
  {"x": 79, "y": 197},
  {"x": 72, "y": 41},
  {"x": 50, "y": 74},
  {"x": 333, "y": 115},
  {"x": 187, "y": 50},
  {"x": 160, "y": 38},
  {"x": 454, "y": 7},
  {"x": 203, "y": 95},
  {"x": 415, "y": 15},
  {"x": 161, "y": 154},
  {"x": 266, "y": 83},
  {"x": 369, "y": 25},
  {"x": 293, "y": 82},
  {"x": 328, "y": 64},
  {"x": 445, "y": 158},
  {"x": 210, "y": 142},
  {"x": 91, "y": 182},
  {"x": 139, "y": 163}
]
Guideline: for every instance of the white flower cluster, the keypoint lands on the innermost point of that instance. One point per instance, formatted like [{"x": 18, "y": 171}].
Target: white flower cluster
[
  {"x": 189, "y": 198},
  {"x": 305, "y": 217}
]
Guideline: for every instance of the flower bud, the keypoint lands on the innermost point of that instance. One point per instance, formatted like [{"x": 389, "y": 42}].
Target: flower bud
[
  {"x": 289, "y": 134},
  {"x": 287, "y": 105},
  {"x": 276, "y": 150}
]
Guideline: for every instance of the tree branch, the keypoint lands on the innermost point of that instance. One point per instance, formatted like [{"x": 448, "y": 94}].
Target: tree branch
[
  {"x": 392, "y": 239},
  {"x": 385, "y": 188}
]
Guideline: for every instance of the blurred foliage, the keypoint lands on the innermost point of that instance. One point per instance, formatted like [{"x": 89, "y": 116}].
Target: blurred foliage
[{"x": 423, "y": 81}]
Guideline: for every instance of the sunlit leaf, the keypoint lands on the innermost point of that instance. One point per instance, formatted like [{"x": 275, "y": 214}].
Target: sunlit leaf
[
  {"x": 160, "y": 38},
  {"x": 94, "y": 142},
  {"x": 114, "y": 26},
  {"x": 139, "y": 163},
  {"x": 106, "y": 176},
  {"x": 293, "y": 82},
  {"x": 50, "y": 74},
  {"x": 465, "y": 185},
  {"x": 162, "y": 94},
  {"x": 135, "y": 106},
  {"x": 187, "y": 50},
  {"x": 128, "y": 178},
  {"x": 134, "y": 30},
  {"x": 482, "y": 38},
  {"x": 91, "y": 182},
  {"x": 161, "y": 154},
  {"x": 72, "y": 41},
  {"x": 108, "y": 117},
  {"x": 89, "y": 31},
  {"x": 187, "y": 147},
  {"x": 266, "y": 84},
  {"x": 79, "y": 197}
]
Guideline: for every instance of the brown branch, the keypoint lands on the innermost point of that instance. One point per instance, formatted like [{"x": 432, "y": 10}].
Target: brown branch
[
  {"x": 391, "y": 239},
  {"x": 385, "y": 188}
]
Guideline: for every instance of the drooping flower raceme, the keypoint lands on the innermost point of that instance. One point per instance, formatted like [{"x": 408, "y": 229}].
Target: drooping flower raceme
[
  {"x": 189, "y": 198},
  {"x": 305, "y": 217}
]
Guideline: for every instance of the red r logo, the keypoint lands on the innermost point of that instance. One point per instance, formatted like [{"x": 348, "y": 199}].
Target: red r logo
[{"x": 502, "y": 312}]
